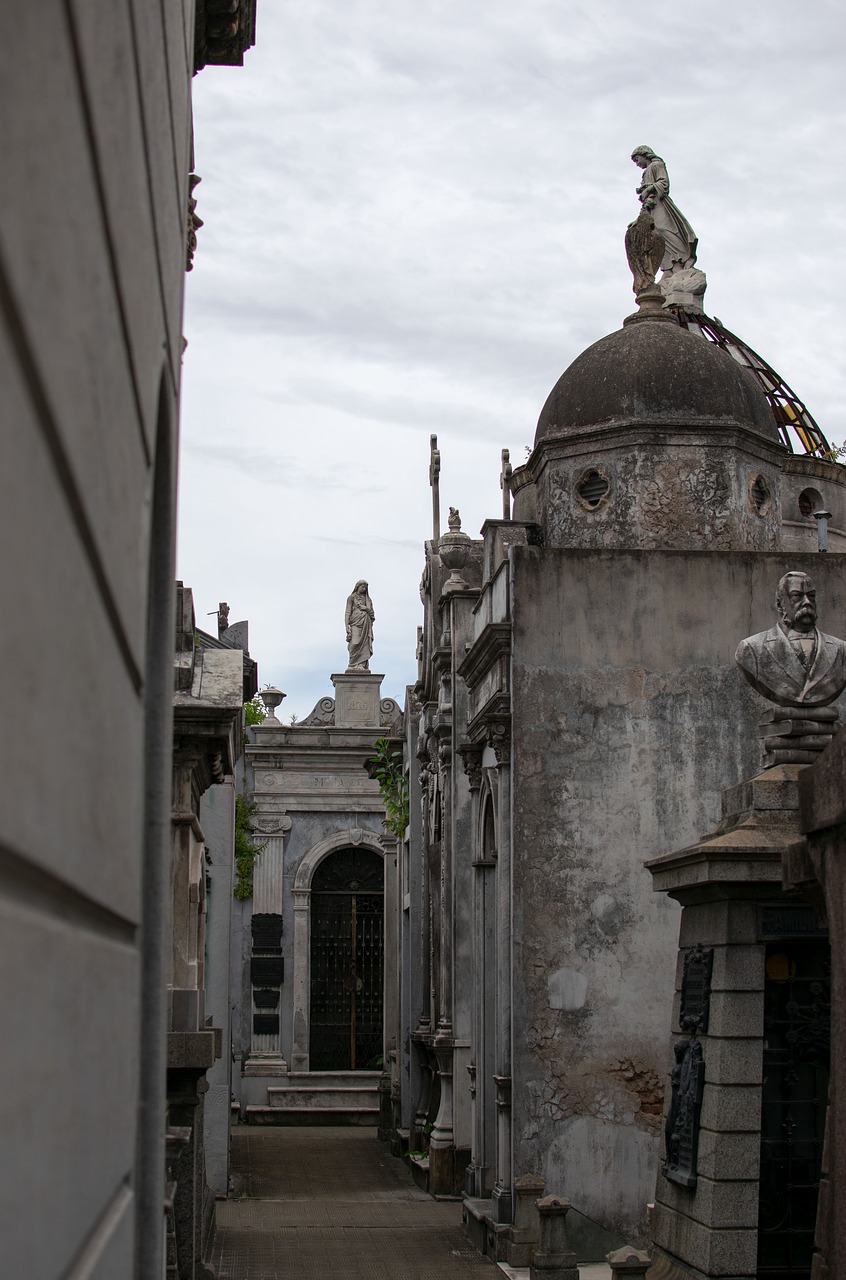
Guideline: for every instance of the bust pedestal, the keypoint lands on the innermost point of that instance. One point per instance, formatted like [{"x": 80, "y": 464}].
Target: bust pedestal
[{"x": 357, "y": 700}]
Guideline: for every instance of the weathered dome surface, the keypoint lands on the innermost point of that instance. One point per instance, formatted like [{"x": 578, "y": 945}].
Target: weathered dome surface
[{"x": 654, "y": 372}]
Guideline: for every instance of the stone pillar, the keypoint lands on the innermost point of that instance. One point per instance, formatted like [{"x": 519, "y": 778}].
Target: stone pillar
[
  {"x": 501, "y": 1198},
  {"x": 475, "y": 1177},
  {"x": 553, "y": 1258},
  {"x": 266, "y": 971},
  {"x": 301, "y": 980},
  {"x": 523, "y": 1234},
  {"x": 628, "y": 1263},
  {"x": 705, "y": 1221},
  {"x": 392, "y": 959},
  {"x": 442, "y": 1137}
]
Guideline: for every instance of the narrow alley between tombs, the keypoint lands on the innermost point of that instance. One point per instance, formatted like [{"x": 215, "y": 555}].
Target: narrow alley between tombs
[{"x": 333, "y": 1203}]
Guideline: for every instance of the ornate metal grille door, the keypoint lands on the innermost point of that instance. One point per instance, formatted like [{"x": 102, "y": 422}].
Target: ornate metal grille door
[
  {"x": 797, "y": 1005},
  {"x": 347, "y": 898}
]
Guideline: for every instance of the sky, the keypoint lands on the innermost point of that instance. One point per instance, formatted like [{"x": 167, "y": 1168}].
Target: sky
[{"x": 413, "y": 223}]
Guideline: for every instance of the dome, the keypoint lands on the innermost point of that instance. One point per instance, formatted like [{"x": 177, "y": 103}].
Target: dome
[{"x": 658, "y": 373}]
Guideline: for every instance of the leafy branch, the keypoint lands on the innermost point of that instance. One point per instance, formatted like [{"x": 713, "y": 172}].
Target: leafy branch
[
  {"x": 254, "y": 711},
  {"x": 386, "y": 767},
  {"x": 246, "y": 848}
]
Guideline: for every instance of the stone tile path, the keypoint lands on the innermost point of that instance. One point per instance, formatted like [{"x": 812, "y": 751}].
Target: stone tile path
[{"x": 333, "y": 1203}]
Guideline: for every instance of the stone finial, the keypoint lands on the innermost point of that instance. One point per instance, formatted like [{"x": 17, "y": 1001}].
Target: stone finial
[
  {"x": 271, "y": 697},
  {"x": 798, "y": 668},
  {"x": 629, "y": 1262},
  {"x": 434, "y": 482},
  {"x": 553, "y": 1259},
  {"x": 505, "y": 474},
  {"x": 454, "y": 551}
]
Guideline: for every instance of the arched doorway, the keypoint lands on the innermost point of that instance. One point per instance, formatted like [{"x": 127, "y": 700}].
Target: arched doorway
[{"x": 346, "y": 953}]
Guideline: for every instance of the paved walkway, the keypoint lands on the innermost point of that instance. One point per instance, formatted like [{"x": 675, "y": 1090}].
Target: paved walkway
[{"x": 333, "y": 1203}]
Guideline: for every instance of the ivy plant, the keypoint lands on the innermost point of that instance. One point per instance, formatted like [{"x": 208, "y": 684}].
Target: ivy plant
[
  {"x": 247, "y": 849},
  {"x": 387, "y": 768}
]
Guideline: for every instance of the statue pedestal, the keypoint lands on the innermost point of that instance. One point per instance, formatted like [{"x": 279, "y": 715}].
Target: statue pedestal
[{"x": 357, "y": 700}]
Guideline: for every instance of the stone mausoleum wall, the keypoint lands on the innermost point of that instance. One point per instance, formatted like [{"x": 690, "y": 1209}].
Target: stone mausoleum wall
[{"x": 638, "y": 719}]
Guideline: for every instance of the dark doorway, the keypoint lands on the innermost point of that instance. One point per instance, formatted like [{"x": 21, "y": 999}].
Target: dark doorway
[
  {"x": 347, "y": 897},
  {"x": 797, "y": 1011}
]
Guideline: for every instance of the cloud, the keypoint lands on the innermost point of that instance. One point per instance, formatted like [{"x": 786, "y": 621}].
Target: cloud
[{"x": 414, "y": 221}]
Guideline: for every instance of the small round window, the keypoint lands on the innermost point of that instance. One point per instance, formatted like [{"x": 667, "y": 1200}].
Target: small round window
[
  {"x": 809, "y": 502},
  {"x": 592, "y": 488}
]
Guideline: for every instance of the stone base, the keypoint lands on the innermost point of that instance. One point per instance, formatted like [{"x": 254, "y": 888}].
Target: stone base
[
  {"x": 496, "y": 1240},
  {"x": 446, "y": 1171},
  {"x": 553, "y": 1266},
  {"x": 265, "y": 1067},
  {"x": 357, "y": 700},
  {"x": 473, "y": 1216},
  {"x": 665, "y": 1267}
]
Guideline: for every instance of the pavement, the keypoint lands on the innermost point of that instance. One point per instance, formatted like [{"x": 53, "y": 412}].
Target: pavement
[{"x": 332, "y": 1203}]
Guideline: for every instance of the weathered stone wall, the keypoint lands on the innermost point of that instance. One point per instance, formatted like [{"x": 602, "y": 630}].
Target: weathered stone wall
[
  {"x": 95, "y": 102},
  {"x": 630, "y": 717}
]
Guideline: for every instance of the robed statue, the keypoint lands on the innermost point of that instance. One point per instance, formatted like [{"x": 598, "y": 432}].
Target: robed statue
[
  {"x": 359, "y": 618},
  {"x": 670, "y": 223}
]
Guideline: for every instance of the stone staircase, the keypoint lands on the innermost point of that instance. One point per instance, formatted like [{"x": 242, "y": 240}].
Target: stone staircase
[{"x": 320, "y": 1097}]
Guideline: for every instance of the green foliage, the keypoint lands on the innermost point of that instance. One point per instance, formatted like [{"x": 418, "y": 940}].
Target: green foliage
[
  {"x": 246, "y": 848},
  {"x": 254, "y": 711},
  {"x": 386, "y": 767}
]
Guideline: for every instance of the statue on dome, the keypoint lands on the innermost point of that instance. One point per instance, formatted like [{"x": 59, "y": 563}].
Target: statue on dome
[
  {"x": 670, "y": 223},
  {"x": 359, "y": 618}
]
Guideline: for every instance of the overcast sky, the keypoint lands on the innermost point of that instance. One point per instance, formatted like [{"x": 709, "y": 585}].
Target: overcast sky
[{"x": 414, "y": 218}]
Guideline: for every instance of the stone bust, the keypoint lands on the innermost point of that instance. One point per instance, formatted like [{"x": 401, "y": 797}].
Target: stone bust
[{"x": 794, "y": 664}]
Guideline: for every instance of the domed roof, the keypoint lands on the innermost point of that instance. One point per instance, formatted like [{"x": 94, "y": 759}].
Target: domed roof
[{"x": 654, "y": 371}]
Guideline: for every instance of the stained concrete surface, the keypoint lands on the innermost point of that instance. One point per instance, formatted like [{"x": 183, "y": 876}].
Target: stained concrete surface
[{"x": 333, "y": 1203}]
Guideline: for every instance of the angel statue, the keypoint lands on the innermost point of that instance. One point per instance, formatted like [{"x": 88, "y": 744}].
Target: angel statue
[{"x": 670, "y": 223}]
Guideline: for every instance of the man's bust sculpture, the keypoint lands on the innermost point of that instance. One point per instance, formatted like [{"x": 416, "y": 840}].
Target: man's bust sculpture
[{"x": 793, "y": 664}]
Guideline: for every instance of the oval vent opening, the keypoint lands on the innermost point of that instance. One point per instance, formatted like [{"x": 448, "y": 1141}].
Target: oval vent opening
[
  {"x": 760, "y": 494},
  {"x": 592, "y": 488},
  {"x": 809, "y": 502}
]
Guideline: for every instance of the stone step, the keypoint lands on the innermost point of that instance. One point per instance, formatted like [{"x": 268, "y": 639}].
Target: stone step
[
  {"x": 330, "y": 1079},
  {"x": 279, "y": 1115},
  {"x": 313, "y": 1091}
]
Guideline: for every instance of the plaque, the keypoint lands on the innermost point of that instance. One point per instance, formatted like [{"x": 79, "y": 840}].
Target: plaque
[
  {"x": 267, "y": 932},
  {"x": 265, "y": 1024},
  {"x": 791, "y": 920},
  {"x": 266, "y": 998},
  {"x": 267, "y": 971},
  {"x": 682, "y": 1128},
  {"x": 696, "y": 990}
]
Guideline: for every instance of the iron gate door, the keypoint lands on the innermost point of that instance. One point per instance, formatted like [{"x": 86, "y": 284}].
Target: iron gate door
[
  {"x": 797, "y": 1009},
  {"x": 347, "y": 898}
]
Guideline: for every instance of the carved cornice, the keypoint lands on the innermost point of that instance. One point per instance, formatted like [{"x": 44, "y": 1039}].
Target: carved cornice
[
  {"x": 223, "y": 32},
  {"x": 471, "y": 754},
  {"x": 493, "y": 643},
  {"x": 500, "y": 740},
  {"x": 495, "y": 712}
]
